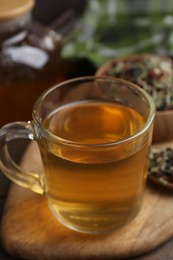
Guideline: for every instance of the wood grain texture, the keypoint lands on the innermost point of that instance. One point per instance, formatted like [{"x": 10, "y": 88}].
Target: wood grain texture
[{"x": 30, "y": 231}]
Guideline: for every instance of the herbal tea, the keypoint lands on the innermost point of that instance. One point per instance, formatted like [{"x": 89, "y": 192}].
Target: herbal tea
[
  {"x": 94, "y": 122},
  {"x": 94, "y": 149},
  {"x": 89, "y": 185}
]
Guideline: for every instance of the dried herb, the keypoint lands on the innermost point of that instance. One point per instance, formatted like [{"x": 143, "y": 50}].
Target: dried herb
[
  {"x": 161, "y": 166},
  {"x": 153, "y": 73}
]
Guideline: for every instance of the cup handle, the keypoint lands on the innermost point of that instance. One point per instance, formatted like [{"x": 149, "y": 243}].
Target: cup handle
[{"x": 9, "y": 132}]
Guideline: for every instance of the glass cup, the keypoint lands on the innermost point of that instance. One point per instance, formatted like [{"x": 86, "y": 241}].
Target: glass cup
[{"x": 94, "y": 136}]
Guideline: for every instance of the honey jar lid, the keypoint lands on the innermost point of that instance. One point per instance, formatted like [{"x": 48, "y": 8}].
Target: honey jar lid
[{"x": 10, "y": 9}]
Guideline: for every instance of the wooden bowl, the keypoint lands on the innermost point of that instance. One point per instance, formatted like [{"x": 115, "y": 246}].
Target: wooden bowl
[
  {"x": 163, "y": 123},
  {"x": 163, "y": 126}
]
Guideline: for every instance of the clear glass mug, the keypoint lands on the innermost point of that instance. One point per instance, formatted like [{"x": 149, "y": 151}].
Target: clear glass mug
[{"x": 94, "y": 136}]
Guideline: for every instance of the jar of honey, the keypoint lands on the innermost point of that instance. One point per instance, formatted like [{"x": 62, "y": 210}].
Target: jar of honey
[{"x": 30, "y": 60}]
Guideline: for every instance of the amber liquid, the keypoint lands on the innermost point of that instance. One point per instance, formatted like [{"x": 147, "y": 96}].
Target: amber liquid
[
  {"x": 26, "y": 70},
  {"x": 92, "y": 189}
]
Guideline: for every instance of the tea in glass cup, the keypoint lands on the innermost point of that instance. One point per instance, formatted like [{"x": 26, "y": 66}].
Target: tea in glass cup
[{"x": 94, "y": 136}]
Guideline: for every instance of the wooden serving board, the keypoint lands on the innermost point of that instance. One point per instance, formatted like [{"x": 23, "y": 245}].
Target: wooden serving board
[{"x": 30, "y": 231}]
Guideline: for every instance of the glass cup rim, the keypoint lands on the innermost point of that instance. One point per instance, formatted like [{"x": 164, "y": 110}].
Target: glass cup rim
[{"x": 48, "y": 134}]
